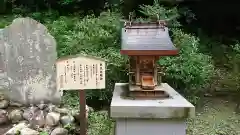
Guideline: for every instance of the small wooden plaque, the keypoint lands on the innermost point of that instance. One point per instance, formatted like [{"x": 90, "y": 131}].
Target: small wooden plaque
[{"x": 80, "y": 72}]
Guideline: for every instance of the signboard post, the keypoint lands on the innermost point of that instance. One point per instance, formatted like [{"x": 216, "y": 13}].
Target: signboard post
[
  {"x": 83, "y": 121},
  {"x": 79, "y": 73}
]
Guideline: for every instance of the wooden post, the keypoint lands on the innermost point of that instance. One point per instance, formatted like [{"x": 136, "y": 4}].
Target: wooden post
[
  {"x": 86, "y": 73},
  {"x": 83, "y": 121}
]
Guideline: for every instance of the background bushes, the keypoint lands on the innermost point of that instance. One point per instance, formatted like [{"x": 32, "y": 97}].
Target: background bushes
[
  {"x": 62, "y": 6},
  {"x": 93, "y": 36},
  {"x": 189, "y": 73}
]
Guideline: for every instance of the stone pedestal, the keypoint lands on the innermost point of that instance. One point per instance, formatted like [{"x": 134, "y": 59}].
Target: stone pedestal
[{"x": 150, "y": 117}]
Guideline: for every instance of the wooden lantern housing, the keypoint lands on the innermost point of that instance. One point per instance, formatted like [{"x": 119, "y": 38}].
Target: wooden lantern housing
[{"x": 145, "y": 43}]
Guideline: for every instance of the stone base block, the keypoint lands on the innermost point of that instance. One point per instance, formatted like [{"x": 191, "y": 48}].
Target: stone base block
[
  {"x": 150, "y": 116},
  {"x": 175, "y": 106},
  {"x": 149, "y": 127}
]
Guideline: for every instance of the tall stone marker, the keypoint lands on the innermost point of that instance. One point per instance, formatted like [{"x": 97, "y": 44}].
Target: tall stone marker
[{"x": 28, "y": 53}]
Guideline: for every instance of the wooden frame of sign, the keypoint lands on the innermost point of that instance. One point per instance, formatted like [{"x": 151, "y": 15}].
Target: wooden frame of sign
[{"x": 80, "y": 72}]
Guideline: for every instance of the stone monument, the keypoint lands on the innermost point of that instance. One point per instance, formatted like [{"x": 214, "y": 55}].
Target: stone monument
[
  {"x": 27, "y": 63},
  {"x": 145, "y": 105}
]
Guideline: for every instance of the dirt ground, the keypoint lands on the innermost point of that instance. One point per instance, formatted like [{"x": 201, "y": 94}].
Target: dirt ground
[{"x": 216, "y": 117}]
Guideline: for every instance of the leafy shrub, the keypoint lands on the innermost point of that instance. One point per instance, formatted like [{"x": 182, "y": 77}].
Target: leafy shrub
[
  {"x": 63, "y": 6},
  {"x": 98, "y": 37},
  {"x": 156, "y": 10},
  {"x": 100, "y": 124},
  {"x": 189, "y": 71},
  {"x": 45, "y": 17}
]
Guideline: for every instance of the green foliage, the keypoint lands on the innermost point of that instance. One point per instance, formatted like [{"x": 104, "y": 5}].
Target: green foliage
[
  {"x": 71, "y": 99},
  {"x": 228, "y": 78},
  {"x": 231, "y": 80},
  {"x": 100, "y": 124},
  {"x": 68, "y": 2},
  {"x": 189, "y": 71},
  {"x": 71, "y": 128},
  {"x": 18, "y": 132},
  {"x": 63, "y": 6},
  {"x": 158, "y": 11},
  {"x": 20, "y": 10},
  {"x": 43, "y": 133},
  {"x": 5, "y": 20},
  {"x": 44, "y": 17},
  {"x": 98, "y": 37}
]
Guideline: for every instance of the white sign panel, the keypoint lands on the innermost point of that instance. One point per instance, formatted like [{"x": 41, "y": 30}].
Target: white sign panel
[{"x": 80, "y": 72}]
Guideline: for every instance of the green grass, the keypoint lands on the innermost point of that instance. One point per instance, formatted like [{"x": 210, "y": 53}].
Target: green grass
[{"x": 100, "y": 123}]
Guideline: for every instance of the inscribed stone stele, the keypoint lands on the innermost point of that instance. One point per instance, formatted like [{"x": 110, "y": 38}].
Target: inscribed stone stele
[{"x": 29, "y": 56}]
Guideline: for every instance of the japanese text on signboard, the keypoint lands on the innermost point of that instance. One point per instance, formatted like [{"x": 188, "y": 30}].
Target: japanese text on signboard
[{"x": 80, "y": 73}]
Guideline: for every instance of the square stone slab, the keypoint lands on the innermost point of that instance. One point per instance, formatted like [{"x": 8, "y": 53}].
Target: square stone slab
[{"x": 175, "y": 107}]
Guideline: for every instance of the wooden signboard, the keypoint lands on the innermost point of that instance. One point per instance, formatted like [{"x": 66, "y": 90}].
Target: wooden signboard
[{"x": 78, "y": 73}]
